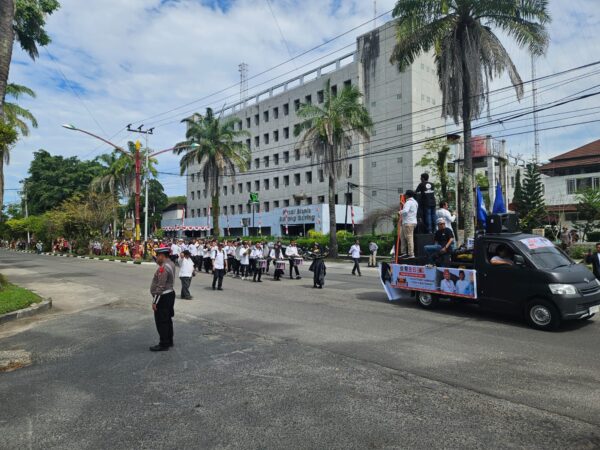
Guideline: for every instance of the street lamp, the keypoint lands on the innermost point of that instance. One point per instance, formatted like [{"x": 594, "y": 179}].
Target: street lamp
[{"x": 138, "y": 171}]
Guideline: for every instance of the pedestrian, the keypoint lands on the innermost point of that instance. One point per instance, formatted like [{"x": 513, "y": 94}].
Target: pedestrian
[
  {"x": 566, "y": 239},
  {"x": 163, "y": 300},
  {"x": 245, "y": 260},
  {"x": 594, "y": 260},
  {"x": 292, "y": 254},
  {"x": 257, "y": 255},
  {"x": 354, "y": 253},
  {"x": 175, "y": 252},
  {"x": 427, "y": 202},
  {"x": 409, "y": 223},
  {"x": 219, "y": 265},
  {"x": 186, "y": 272},
  {"x": 373, "y": 247}
]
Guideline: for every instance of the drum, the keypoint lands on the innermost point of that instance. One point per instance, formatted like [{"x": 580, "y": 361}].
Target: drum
[
  {"x": 280, "y": 265},
  {"x": 298, "y": 261},
  {"x": 262, "y": 263}
]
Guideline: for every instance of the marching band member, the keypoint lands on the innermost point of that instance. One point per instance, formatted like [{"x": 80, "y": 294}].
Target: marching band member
[
  {"x": 292, "y": 252},
  {"x": 257, "y": 257},
  {"x": 245, "y": 260},
  {"x": 276, "y": 254}
]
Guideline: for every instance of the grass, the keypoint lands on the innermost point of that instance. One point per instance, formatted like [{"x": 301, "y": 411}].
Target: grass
[{"x": 13, "y": 298}]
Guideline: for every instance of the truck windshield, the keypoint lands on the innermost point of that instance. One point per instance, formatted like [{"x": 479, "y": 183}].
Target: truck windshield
[{"x": 548, "y": 258}]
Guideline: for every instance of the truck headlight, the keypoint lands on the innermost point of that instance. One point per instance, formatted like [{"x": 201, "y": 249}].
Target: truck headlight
[{"x": 562, "y": 289}]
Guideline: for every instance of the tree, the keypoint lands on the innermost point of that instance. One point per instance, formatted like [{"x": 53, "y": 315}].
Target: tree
[
  {"x": 218, "y": 151},
  {"x": 533, "y": 207},
  {"x": 15, "y": 117},
  {"x": 436, "y": 160},
  {"x": 327, "y": 134},
  {"x": 588, "y": 208},
  {"x": 468, "y": 55},
  {"x": 157, "y": 202},
  {"x": 518, "y": 194},
  {"x": 54, "y": 179}
]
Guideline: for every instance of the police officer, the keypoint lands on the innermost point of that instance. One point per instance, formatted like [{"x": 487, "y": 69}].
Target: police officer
[{"x": 163, "y": 299}]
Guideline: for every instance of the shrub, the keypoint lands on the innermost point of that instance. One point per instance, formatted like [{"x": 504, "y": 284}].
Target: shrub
[
  {"x": 3, "y": 281},
  {"x": 593, "y": 236},
  {"x": 579, "y": 251}
]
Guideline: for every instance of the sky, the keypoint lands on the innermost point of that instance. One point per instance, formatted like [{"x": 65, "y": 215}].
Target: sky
[{"x": 115, "y": 62}]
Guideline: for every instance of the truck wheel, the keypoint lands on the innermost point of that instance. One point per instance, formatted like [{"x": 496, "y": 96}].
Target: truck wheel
[
  {"x": 543, "y": 315},
  {"x": 427, "y": 300}
]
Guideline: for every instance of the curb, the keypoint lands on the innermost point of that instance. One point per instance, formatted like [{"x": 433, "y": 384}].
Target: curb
[
  {"x": 61, "y": 255},
  {"x": 32, "y": 310}
]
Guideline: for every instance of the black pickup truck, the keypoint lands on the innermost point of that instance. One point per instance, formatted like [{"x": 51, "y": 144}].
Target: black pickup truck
[{"x": 528, "y": 276}]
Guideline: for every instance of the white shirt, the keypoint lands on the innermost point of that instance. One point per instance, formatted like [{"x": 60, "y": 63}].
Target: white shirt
[
  {"x": 409, "y": 212},
  {"x": 447, "y": 216},
  {"x": 218, "y": 258},
  {"x": 175, "y": 250},
  {"x": 291, "y": 251},
  {"x": 256, "y": 253},
  {"x": 245, "y": 256},
  {"x": 193, "y": 250},
  {"x": 464, "y": 287},
  {"x": 186, "y": 269},
  {"x": 355, "y": 251},
  {"x": 447, "y": 286}
]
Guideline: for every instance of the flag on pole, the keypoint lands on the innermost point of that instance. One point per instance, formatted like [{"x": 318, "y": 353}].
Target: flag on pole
[
  {"x": 499, "y": 206},
  {"x": 481, "y": 212},
  {"x": 285, "y": 219}
]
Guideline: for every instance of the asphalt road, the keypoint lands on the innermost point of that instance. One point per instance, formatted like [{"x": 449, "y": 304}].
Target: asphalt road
[{"x": 281, "y": 365}]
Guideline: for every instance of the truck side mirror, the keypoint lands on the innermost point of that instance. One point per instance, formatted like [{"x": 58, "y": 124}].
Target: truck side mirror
[{"x": 519, "y": 260}]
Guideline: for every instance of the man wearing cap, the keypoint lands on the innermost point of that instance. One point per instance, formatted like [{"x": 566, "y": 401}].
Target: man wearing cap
[
  {"x": 443, "y": 239},
  {"x": 163, "y": 299}
]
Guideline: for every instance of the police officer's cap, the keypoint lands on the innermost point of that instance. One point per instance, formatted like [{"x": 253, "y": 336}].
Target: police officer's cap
[{"x": 162, "y": 251}]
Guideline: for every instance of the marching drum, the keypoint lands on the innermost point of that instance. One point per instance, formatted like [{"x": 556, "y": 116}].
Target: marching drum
[
  {"x": 280, "y": 265},
  {"x": 262, "y": 263},
  {"x": 298, "y": 261}
]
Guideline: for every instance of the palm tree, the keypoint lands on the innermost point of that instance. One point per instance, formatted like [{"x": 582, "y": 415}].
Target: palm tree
[
  {"x": 468, "y": 55},
  {"x": 218, "y": 151},
  {"x": 327, "y": 136},
  {"x": 15, "y": 118}
]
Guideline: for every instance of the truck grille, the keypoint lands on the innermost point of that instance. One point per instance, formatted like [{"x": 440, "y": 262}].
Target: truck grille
[
  {"x": 590, "y": 290},
  {"x": 585, "y": 306}
]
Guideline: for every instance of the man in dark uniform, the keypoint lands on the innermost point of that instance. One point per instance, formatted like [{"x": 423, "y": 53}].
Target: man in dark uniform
[
  {"x": 163, "y": 299},
  {"x": 426, "y": 193},
  {"x": 594, "y": 260}
]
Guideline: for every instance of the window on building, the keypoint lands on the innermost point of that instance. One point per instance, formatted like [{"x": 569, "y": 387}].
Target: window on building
[
  {"x": 193, "y": 213},
  {"x": 240, "y": 125},
  {"x": 512, "y": 182},
  {"x": 320, "y": 96},
  {"x": 240, "y": 188},
  {"x": 248, "y": 143},
  {"x": 308, "y": 99},
  {"x": 296, "y": 104},
  {"x": 276, "y": 159},
  {"x": 398, "y": 96},
  {"x": 266, "y": 116},
  {"x": 321, "y": 199},
  {"x": 276, "y": 204},
  {"x": 286, "y": 157},
  {"x": 198, "y": 212},
  {"x": 399, "y": 160},
  {"x": 286, "y": 109},
  {"x": 286, "y": 180},
  {"x": 266, "y": 184},
  {"x": 192, "y": 195},
  {"x": 266, "y": 161},
  {"x": 193, "y": 175},
  {"x": 266, "y": 138},
  {"x": 257, "y": 141},
  {"x": 224, "y": 190},
  {"x": 276, "y": 135},
  {"x": 334, "y": 90},
  {"x": 399, "y": 127},
  {"x": 349, "y": 170},
  {"x": 347, "y": 83},
  {"x": 257, "y": 185},
  {"x": 240, "y": 209},
  {"x": 308, "y": 177},
  {"x": 276, "y": 113},
  {"x": 232, "y": 210},
  {"x": 224, "y": 210},
  {"x": 257, "y": 163},
  {"x": 321, "y": 175},
  {"x": 297, "y": 154},
  {"x": 286, "y": 203},
  {"x": 309, "y": 200},
  {"x": 247, "y": 122},
  {"x": 204, "y": 212},
  {"x": 266, "y": 206},
  {"x": 276, "y": 183},
  {"x": 297, "y": 179},
  {"x": 374, "y": 164},
  {"x": 248, "y": 187},
  {"x": 205, "y": 193},
  {"x": 256, "y": 119},
  {"x": 335, "y": 200},
  {"x": 374, "y": 193},
  {"x": 286, "y": 133},
  {"x": 248, "y": 208},
  {"x": 198, "y": 194},
  {"x": 297, "y": 202},
  {"x": 575, "y": 185},
  {"x": 233, "y": 189}
]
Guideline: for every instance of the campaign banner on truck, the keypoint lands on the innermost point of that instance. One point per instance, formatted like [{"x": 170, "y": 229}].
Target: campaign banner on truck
[{"x": 397, "y": 279}]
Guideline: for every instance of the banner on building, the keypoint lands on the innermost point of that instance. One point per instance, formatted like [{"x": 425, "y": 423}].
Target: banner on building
[{"x": 397, "y": 279}]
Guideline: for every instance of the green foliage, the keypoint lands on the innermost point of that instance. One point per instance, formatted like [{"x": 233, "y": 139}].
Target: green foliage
[
  {"x": 579, "y": 251},
  {"x": 533, "y": 207},
  {"x": 3, "y": 281},
  {"x": 518, "y": 195},
  {"x": 54, "y": 179},
  {"x": 8, "y": 138},
  {"x": 482, "y": 181},
  {"x": 157, "y": 202},
  {"x": 16, "y": 115},
  {"x": 179, "y": 199},
  {"x": 343, "y": 234},
  {"x": 30, "y": 19},
  {"x": 313, "y": 234},
  {"x": 436, "y": 161},
  {"x": 13, "y": 298},
  {"x": 588, "y": 207}
]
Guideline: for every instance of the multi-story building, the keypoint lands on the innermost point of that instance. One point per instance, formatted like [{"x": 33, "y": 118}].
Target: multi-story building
[
  {"x": 566, "y": 175},
  {"x": 292, "y": 188}
]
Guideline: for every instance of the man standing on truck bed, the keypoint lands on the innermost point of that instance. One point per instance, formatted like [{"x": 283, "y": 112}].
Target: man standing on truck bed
[
  {"x": 426, "y": 194},
  {"x": 409, "y": 223}
]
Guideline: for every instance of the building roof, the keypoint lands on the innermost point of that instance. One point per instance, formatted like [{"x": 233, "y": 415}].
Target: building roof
[
  {"x": 586, "y": 155},
  {"x": 174, "y": 207}
]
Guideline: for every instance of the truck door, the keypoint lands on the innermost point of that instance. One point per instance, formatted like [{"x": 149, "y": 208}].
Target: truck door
[{"x": 501, "y": 285}]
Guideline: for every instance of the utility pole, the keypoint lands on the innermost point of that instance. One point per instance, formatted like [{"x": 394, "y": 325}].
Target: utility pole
[
  {"x": 347, "y": 204},
  {"x": 137, "y": 225},
  {"x": 536, "y": 134},
  {"x": 374, "y": 14}
]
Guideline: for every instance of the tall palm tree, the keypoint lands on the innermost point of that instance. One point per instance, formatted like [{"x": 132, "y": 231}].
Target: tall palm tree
[
  {"x": 15, "y": 117},
  {"x": 327, "y": 134},
  {"x": 218, "y": 151},
  {"x": 468, "y": 55}
]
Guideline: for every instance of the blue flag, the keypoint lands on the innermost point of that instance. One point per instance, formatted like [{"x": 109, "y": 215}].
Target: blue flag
[
  {"x": 481, "y": 212},
  {"x": 499, "y": 206}
]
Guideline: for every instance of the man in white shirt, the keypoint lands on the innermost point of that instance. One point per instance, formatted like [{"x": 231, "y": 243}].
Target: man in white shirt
[
  {"x": 292, "y": 252},
  {"x": 175, "y": 252},
  {"x": 354, "y": 253},
  {"x": 444, "y": 213},
  {"x": 245, "y": 260},
  {"x": 447, "y": 285},
  {"x": 219, "y": 264},
  {"x": 186, "y": 272},
  {"x": 409, "y": 223},
  {"x": 257, "y": 256}
]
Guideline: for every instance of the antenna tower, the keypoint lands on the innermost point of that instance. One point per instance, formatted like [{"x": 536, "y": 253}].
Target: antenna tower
[{"x": 243, "y": 68}]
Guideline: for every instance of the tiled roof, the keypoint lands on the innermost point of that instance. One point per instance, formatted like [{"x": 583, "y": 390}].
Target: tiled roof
[
  {"x": 559, "y": 164},
  {"x": 586, "y": 155},
  {"x": 591, "y": 149}
]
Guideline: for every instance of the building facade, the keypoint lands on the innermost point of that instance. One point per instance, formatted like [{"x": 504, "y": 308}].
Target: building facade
[{"x": 405, "y": 107}]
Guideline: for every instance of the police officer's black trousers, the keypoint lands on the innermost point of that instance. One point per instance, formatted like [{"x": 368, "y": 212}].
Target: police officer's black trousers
[{"x": 163, "y": 317}]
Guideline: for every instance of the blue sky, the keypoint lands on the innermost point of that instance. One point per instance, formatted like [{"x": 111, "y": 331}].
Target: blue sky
[{"x": 113, "y": 62}]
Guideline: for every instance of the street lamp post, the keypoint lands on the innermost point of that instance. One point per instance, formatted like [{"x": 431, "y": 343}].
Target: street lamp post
[{"x": 138, "y": 171}]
